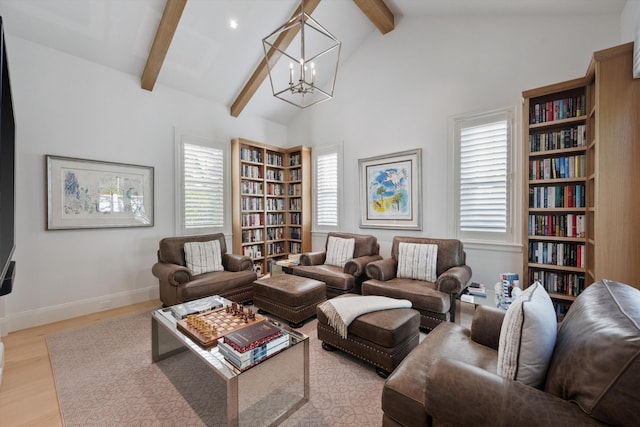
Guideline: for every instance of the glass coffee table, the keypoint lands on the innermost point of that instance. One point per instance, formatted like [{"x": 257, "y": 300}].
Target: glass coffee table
[{"x": 262, "y": 395}]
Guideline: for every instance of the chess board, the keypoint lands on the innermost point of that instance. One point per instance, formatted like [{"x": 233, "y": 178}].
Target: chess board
[{"x": 206, "y": 328}]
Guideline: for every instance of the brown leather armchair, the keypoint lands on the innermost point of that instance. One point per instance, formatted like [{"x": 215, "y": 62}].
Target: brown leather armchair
[
  {"x": 451, "y": 377},
  {"x": 434, "y": 300},
  {"x": 340, "y": 280},
  {"x": 178, "y": 285}
]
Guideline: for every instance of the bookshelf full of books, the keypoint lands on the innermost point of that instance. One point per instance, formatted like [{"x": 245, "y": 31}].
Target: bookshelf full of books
[
  {"x": 271, "y": 201},
  {"x": 582, "y": 149},
  {"x": 555, "y": 182}
]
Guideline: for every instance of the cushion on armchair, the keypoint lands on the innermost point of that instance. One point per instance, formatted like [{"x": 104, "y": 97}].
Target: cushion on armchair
[
  {"x": 528, "y": 337},
  {"x": 339, "y": 251},
  {"x": 417, "y": 261},
  {"x": 203, "y": 257}
]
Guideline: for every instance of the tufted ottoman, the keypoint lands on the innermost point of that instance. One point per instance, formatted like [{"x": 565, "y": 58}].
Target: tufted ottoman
[
  {"x": 381, "y": 338},
  {"x": 289, "y": 297}
]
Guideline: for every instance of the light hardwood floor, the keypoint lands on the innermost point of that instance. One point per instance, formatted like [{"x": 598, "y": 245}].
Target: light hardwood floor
[{"x": 27, "y": 393}]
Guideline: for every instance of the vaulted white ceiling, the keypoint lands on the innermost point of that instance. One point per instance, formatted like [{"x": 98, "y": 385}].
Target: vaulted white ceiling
[{"x": 208, "y": 58}]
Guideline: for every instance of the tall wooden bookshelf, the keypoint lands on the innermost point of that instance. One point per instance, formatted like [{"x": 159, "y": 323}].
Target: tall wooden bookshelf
[
  {"x": 555, "y": 206},
  {"x": 582, "y": 148},
  {"x": 271, "y": 198}
]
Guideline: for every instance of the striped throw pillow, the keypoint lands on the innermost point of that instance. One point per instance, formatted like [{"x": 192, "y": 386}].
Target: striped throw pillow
[
  {"x": 339, "y": 251},
  {"x": 203, "y": 257},
  {"x": 417, "y": 261},
  {"x": 528, "y": 337}
]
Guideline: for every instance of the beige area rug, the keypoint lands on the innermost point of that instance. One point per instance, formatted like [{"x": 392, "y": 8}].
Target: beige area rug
[{"x": 104, "y": 377}]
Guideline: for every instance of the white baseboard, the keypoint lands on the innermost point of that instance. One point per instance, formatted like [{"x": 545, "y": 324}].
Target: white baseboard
[{"x": 56, "y": 313}]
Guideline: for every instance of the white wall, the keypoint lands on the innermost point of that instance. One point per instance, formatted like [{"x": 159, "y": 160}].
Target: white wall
[
  {"x": 69, "y": 107},
  {"x": 400, "y": 90}
]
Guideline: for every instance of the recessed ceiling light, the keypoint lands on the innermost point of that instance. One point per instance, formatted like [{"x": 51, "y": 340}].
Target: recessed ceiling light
[{"x": 233, "y": 24}]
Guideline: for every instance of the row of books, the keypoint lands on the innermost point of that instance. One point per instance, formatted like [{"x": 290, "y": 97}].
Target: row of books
[
  {"x": 250, "y": 155},
  {"x": 251, "y": 203},
  {"x": 558, "y": 109},
  {"x": 251, "y": 220},
  {"x": 274, "y": 175},
  {"x": 274, "y": 159},
  {"x": 557, "y": 140},
  {"x": 253, "y": 188},
  {"x": 252, "y": 235},
  {"x": 275, "y": 219},
  {"x": 558, "y": 282},
  {"x": 553, "y": 253},
  {"x": 249, "y": 346},
  {"x": 558, "y": 167},
  {"x": 275, "y": 189},
  {"x": 557, "y": 196},
  {"x": 569, "y": 225},
  {"x": 295, "y": 159},
  {"x": 275, "y": 204},
  {"x": 249, "y": 171}
]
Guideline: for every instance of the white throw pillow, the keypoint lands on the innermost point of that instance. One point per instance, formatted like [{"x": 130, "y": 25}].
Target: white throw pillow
[
  {"x": 528, "y": 337},
  {"x": 417, "y": 261},
  {"x": 339, "y": 251},
  {"x": 203, "y": 257}
]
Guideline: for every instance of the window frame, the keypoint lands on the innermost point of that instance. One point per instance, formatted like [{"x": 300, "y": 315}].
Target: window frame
[
  {"x": 511, "y": 235},
  {"x": 321, "y": 151},
  {"x": 182, "y": 137}
]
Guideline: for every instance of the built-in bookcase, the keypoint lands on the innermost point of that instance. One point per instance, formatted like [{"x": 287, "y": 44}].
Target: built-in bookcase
[
  {"x": 582, "y": 150},
  {"x": 271, "y": 201},
  {"x": 556, "y": 169}
]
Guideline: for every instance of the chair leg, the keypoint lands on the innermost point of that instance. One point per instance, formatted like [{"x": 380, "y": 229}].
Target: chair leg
[{"x": 452, "y": 308}]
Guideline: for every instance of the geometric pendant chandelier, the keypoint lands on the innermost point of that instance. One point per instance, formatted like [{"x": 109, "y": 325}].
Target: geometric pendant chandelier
[{"x": 302, "y": 72}]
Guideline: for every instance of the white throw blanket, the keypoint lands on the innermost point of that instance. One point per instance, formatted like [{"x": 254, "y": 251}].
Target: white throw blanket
[{"x": 342, "y": 311}]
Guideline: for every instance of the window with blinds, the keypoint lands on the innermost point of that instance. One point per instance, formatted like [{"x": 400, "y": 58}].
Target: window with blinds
[
  {"x": 483, "y": 166},
  {"x": 203, "y": 183},
  {"x": 327, "y": 185}
]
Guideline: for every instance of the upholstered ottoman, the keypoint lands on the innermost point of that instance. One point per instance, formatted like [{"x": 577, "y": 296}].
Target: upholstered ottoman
[
  {"x": 381, "y": 338},
  {"x": 289, "y": 297}
]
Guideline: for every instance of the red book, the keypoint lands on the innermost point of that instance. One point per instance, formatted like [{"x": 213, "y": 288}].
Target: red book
[{"x": 252, "y": 336}]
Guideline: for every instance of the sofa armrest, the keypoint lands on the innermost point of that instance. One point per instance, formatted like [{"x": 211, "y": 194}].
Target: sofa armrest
[
  {"x": 460, "y": 394},
  {"x": 313, "y": 258},
  {"x": 486, "y": 325},
  {"x": 357, "y": 266},
  {"x": 454, "y": 280},
  {"x": 172, "y": 273},
  {"x": 384, "y": 269},
  {"x": 233, "y": 262}
]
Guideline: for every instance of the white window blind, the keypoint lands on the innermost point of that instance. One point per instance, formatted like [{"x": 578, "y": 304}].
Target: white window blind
[
  {"x": 483, "y": 185},
  {"x": 203, "y": 186},
  {"x": 327, "y": 190}
]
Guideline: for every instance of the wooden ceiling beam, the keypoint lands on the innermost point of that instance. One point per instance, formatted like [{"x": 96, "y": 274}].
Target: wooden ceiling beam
[
  {"x": 378, "y": 13},
  {"x": 166, "y": 29},
  {"x": 261, "y": 72}
]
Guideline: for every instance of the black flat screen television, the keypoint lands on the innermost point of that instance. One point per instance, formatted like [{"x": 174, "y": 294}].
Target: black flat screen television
[{"x": 7, "y": 173}]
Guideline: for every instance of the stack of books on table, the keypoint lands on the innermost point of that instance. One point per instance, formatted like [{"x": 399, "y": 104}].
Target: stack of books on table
[
  {"x": 198, "y": 306},
  {"x": 477, "y": 289},
  {"x": 249, "y": 346}
]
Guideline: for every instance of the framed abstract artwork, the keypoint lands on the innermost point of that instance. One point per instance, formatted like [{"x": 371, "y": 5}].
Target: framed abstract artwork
[
  {"x": 390, "y": 191},
  {"x": 94, "y": 194}
]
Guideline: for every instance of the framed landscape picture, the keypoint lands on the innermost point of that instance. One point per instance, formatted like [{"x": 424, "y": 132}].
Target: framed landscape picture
[
  {"x": 390, "y": 188},
  {"x": 93, "y": 194}
]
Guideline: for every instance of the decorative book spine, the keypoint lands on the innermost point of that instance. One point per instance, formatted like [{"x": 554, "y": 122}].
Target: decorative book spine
[{"x": 252, "y": 336}]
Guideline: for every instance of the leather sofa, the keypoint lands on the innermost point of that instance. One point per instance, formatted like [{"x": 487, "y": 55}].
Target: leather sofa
[
  {"x": 434, "y": 300},
  {"x": 340, "y": 280},
  {"x": 451, "y": 377},
  {"x": 178, "y": 284}
]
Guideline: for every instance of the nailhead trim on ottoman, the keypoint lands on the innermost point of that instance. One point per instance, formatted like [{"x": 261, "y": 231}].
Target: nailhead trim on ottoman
[{"x": 381, "y": 338}]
